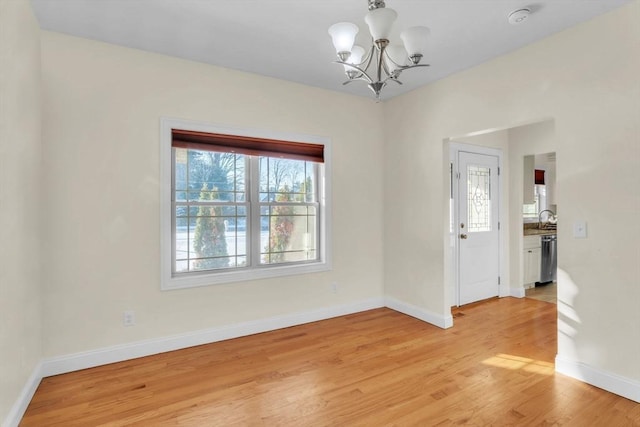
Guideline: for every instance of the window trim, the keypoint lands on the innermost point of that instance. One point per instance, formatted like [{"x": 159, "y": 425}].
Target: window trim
[{"x": 196, "y": 279}]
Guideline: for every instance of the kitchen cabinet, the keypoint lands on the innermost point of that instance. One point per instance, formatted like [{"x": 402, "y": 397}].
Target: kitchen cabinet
[
  {"x": 528, "y": 182},
  {"x": 531, "y": 258},
  {"x": 551, "y": 186}
]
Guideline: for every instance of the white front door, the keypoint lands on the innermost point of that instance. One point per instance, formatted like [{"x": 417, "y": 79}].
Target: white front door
[{"x": 478, "y": 233}]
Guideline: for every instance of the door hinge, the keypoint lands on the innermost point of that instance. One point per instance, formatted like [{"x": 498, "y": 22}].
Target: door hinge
[
  {"x": 498, "y": 171},
  {"x": 498, "y": 280},
  {"x": 498, "y": 225},
  {"x": 458, "y": 175}
]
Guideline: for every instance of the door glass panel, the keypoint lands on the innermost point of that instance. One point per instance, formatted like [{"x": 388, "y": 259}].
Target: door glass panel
[{"x": 479, "y": 198}]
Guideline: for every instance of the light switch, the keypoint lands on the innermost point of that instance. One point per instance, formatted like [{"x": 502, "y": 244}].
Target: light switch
[{"x": 580, "y": 229}]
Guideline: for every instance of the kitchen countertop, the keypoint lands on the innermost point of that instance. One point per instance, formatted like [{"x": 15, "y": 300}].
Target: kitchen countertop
[
  {"x": 537, "y": 232},
  {"x": 531, "y": 229}
]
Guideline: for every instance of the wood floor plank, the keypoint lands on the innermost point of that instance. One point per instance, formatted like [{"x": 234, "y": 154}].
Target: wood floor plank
[{"x": 375, "y": 368}]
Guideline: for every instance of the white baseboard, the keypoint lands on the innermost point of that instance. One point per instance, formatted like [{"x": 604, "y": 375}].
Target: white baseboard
[
  {"x": 616, "y": 384},
  {"x": 118, "y": 353},
  {"x": 439, "y": 320},
  {"x": 17, "y": 410},
  {"x": 517, "y": 292},
  {"x": 73, "y": 362}
]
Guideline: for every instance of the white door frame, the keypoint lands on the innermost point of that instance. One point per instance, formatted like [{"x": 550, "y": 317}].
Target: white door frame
[{"x": 454, "y": 149}]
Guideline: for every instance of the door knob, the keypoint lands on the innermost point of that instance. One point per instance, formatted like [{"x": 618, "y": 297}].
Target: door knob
[{"x": 463, "y": 236}]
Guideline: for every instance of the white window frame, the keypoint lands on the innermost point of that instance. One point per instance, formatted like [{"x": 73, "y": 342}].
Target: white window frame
[{"x": 195, "y": 279}]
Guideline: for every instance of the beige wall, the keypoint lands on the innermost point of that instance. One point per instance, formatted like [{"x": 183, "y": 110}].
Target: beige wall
[
  {"x": 586, "y": 80},
  {"x": 98, "y": 201},
  {"x": 20, "y": 194},
  {"x": 102, "y": 106}
]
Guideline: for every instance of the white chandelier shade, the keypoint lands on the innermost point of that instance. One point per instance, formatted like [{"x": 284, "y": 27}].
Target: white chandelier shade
[
  {"x": 396, "y": 57},
  {"x": 380, "y": 22},
  {"x": 386, "y": 60},
  {"x": 343, "y": 35},
  {"x": 415, "y": 40},
  {"x": 357, "y": 53}
]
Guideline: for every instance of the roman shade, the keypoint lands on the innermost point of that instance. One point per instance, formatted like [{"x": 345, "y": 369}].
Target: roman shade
[{"x": 247, "y": 145}]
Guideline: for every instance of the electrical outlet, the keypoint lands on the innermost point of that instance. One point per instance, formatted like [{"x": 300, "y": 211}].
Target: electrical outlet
[
  {"x": 334, "y": 287},
  {"x": 128, "y": 318}
]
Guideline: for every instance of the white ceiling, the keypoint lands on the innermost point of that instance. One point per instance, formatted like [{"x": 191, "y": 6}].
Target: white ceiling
[{"x": 287, "y": 39}]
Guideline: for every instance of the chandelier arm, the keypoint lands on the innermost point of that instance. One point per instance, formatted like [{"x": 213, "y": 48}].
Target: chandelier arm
[
  {"x": 363, "y": 75},
  {"x": 369, "y": 57},
  {"x": 358, "y": 78},
  {"x": 386, "y": 69},
  {"x": 393, "y": 79},
  {"x": 398, "y": 70},
  {"x": 396, "y": 74},
  {"x": 408, "y": 67}
]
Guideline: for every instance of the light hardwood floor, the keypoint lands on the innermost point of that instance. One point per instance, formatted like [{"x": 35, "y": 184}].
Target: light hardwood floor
[
  {"x": 376, "y": 368},
  {"x": 548, "y": 292}
]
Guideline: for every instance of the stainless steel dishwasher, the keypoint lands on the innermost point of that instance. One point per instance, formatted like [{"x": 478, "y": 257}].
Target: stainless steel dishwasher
[{"x": 549, "y": 261}]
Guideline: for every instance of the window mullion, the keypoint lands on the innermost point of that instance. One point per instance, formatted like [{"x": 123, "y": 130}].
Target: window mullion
[
  {"x": 318, "y": 198},
  {"x": 253, "y": 187},
  {"x": 188, "y": 198},
  {"x": 173, "y": 209}
]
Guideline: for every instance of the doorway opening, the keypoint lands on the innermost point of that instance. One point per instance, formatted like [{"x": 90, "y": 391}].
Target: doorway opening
[
  {"x": 511, "y": 145},
  {"x": 540, "y": 217}
]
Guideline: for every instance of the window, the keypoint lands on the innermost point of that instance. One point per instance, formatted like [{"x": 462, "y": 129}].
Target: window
[
  {"x": 241, "y": 207},
  {"x": 530, "y": 211}
]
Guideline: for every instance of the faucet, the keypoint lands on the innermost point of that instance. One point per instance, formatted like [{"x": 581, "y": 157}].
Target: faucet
[{"x": 540, "y": 216}]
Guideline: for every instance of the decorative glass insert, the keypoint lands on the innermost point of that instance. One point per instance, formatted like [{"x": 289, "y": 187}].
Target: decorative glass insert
[{"x": 479, "y": 198}]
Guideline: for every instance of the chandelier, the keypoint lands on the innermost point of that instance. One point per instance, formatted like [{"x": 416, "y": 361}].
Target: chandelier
[{"x": 384, "y": 61}]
